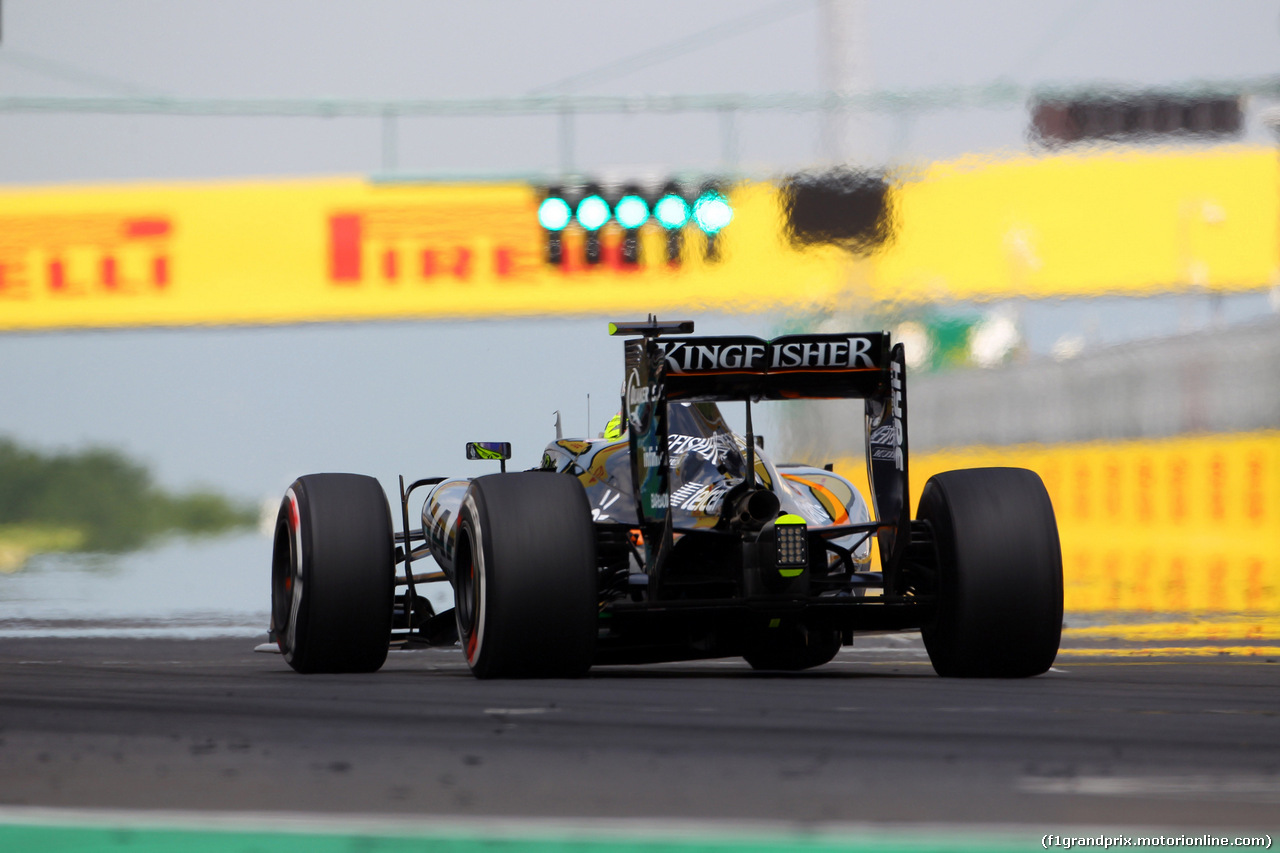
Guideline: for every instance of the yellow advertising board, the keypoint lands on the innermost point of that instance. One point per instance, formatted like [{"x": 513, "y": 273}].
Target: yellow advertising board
[
  {"x": 1189, "y": 524},
  {"x": 287, "y": 251},
  {"x": 1122, "y": 221},
  {"x": 347, "y": 249}
]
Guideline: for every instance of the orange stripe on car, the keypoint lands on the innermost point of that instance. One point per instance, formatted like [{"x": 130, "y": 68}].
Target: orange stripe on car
[{"x": 837, "y": 506}]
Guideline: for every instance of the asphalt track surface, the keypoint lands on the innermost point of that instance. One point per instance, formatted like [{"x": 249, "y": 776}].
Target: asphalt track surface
[{"x": 874, "y": 737}]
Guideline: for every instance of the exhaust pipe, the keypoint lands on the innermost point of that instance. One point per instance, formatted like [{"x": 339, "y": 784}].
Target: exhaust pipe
[{"x": 755, "y": 508}]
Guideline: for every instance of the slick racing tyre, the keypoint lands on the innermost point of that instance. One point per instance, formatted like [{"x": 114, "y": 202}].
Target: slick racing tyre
[
  {"x": 791, "y": 646},
  {"x": 333, "y": 574},
  {"x": 999, "y": 588},
  {"x": 525, "y": 577}
]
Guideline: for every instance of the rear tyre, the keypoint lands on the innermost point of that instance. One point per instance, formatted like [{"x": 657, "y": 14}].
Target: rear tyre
[
  {"x": 525, "y": 577},
  {"x": 333, "y": 574},
  {"x": 791, "y": 647},
  {"x": 999, "y": 610}
]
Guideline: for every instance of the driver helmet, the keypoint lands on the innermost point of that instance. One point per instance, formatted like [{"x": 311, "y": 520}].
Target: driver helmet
[{"x": 614, "y": 429}]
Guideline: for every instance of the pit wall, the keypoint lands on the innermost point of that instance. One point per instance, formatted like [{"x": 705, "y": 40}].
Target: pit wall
[{"x": 1189, "y": 524}]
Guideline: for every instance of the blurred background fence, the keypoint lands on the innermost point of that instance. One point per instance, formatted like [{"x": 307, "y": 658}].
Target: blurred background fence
[
  {"x": 1162, "y": 460},
  {"x": 1187, "y": 524}
]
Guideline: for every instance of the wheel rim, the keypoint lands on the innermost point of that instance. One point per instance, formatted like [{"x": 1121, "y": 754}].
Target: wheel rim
[
  {"x": 286, "y": 574},
  {"x": 468, "y": 594},
  {"x": 281, "y": 577},
  {"x": 473, "y": 607},
  {"x": 471, "y": 582}
]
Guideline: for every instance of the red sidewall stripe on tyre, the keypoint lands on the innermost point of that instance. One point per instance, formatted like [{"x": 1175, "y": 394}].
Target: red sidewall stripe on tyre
[
  {"x": 295, "y": 605},
  {"x": 476, "y": 639}
]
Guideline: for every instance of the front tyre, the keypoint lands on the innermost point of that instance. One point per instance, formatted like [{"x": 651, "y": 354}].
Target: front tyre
[
  {"x": 333, "y": 574},
  {"x": 525, "y": 577},
  {"x": 999, "y": 594}
]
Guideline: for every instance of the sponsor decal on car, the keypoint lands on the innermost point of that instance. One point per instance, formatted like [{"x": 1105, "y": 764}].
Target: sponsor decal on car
[
  {"x": 883, "y": 436},
  {"x": 698, "y": 358},
  {"x": 895, "y": 384},
  {"x": 699, "y": 497},
  {"x": 713, "y": 448},
  {"x": 577, "y": 448},
  {"x": 752, "y": 355},
  {"x": 637, "y": 393},
  {"x": 852, "y": 352},
  {"x": 607, "y": 500},
  {"x": 886, "y": 440}
]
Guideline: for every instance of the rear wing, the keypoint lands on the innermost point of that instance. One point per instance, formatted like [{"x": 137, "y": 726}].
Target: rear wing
[
  {"x": 790, "y": 367},
  {"x": 864, "y": 365}
]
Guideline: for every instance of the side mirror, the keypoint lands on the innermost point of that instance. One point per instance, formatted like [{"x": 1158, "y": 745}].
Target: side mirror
[{"x": 493, "y": 450}]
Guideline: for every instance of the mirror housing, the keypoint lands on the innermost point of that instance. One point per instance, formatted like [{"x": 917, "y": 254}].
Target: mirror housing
[{"x": 491, "y": 450}]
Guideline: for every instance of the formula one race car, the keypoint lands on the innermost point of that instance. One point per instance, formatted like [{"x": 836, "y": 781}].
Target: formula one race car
[{"x": 672, "y": 538}]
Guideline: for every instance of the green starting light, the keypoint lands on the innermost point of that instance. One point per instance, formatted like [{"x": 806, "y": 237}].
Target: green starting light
[
  {"x": 631, "y": 211},
  {"x": 593, "y": 212},
  {"x": 672, "y": 212},
  {"x": 554, "y": 213},
  {"x": 712, "y": 212}
]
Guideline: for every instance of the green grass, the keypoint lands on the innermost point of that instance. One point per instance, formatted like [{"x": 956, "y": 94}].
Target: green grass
[{"x": 89, "y": 839}]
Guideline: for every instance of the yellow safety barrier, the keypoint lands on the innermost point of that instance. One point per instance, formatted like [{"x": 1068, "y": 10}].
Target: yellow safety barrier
[
  {"x": 288, "y": 251},
  {"x": 1179, "y": 525}
]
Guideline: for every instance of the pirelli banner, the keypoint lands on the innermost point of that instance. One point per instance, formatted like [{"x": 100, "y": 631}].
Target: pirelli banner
[
  {"x": 288, "y": 251},
  {"x": 349, "y": 249}
]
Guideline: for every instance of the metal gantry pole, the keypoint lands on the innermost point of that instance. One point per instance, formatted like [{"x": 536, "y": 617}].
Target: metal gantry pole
[
  {"x": 389, "y": 141},
  {"x": 565, "y": 138},
  {"x": 728, "y": 139}
]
